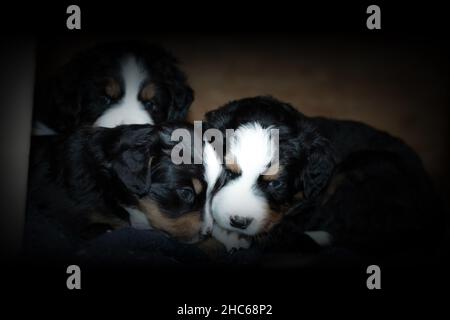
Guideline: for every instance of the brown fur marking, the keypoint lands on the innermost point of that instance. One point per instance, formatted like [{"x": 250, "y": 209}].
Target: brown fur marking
[
  {"x": 148, "y": 92},
  {"x": 198, "y": 187},
  {"x": 273, "y": 218},
  {"x": 185, "y": 227},
  {"x": 112, "y": 88},
  {"x": 230, "y": 164},
  {"x": 271, "y": 173}
]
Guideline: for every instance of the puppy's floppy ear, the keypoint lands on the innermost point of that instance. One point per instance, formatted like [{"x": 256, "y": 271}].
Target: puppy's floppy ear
[
  {"x": 132, "y": 168},
  {"x": 181, "y": 93},
  {"x": 58, "y": 99},
  {"x": 166, "y": 65},
  {"x": 130, "y": 154},
  {"x": 133, "y": 163},
  {"x": 318, "y": 161},
  {"x": 182, "y": 97}
]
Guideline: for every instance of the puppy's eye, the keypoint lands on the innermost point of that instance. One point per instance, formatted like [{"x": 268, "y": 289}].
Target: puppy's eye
[
  {"x": 186, "y": 194},
  {"x": 275, "y": 184},
  {"x": 107, "y": 100},
  {"x": 231, "y": 174},
  {"x": 149, "y": 104}
]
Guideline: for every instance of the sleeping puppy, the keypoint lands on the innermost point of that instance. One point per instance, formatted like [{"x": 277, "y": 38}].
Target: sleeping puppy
[
  {"x": 110, "y": 85},
  {"x": 98, "y": 179},
  {"x": 287, "y": 177}
]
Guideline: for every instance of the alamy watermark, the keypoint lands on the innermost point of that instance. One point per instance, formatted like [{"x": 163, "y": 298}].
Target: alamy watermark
[
  {"x": 73, "y": 21},
  {"x": 190, "y": 148}
]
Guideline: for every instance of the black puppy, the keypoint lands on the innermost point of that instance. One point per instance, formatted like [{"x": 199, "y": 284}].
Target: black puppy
[
  {"x": 110, "y": 85},
  {"x": 92, "y": 180},
  {"x": 340, "y": 183}
]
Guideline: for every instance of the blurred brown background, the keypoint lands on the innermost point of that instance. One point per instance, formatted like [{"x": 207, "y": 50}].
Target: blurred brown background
[{"x": 397, "y": 85}]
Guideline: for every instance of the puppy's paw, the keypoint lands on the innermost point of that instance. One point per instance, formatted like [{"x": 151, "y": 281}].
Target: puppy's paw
[
  {"x": 244, "y": 243},
  {"x": 235, "y": 242},
  {"x": 231, "y": 240},
  {"x": 238, "y": 245}
]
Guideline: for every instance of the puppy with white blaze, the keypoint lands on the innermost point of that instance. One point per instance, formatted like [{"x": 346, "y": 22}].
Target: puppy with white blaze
[
  {"x": 110, "y": 85},
  {"x": 251, "y": 153},
  {"x": 292, "y": 182}
]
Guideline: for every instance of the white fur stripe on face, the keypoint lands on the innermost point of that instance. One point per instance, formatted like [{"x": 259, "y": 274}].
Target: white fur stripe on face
[
  {"x": 213, "y": 169},
  {"x": 212, "y": 165},
  {"x": 253, "y": 148},
  {"x": 129, "y": 109}
]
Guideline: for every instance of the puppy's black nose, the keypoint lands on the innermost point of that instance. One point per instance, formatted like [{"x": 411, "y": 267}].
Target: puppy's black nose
[{"x": 240, "y": 222}]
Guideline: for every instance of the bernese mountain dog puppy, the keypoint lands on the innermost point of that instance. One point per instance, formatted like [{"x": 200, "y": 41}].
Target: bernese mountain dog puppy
[
  {"x": 113, "y": 84},
  {"x": 287, "y": 177},
  {"x": 99, "y": 179}
]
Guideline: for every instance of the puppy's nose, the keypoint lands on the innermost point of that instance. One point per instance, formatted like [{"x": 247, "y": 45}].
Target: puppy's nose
[{"x": 240, "y": 222}]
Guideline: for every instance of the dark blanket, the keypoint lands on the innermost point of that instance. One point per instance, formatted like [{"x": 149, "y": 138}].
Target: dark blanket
[
  {"x": 46, "y": 242},
  {"x": 45, "y": 239}
]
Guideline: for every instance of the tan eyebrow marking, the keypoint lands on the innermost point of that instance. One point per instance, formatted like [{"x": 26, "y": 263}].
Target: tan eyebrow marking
[
  {"x": 198, "y": 187},
  {"x": 186, "y": 227},
  {"x": 148, "y": 92},
  {"x": 112, "y": 88},
  {"x": 233, "y": 167},
  {"x": 272, "y": 173},
  {"x": 231, "y": 164}
]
